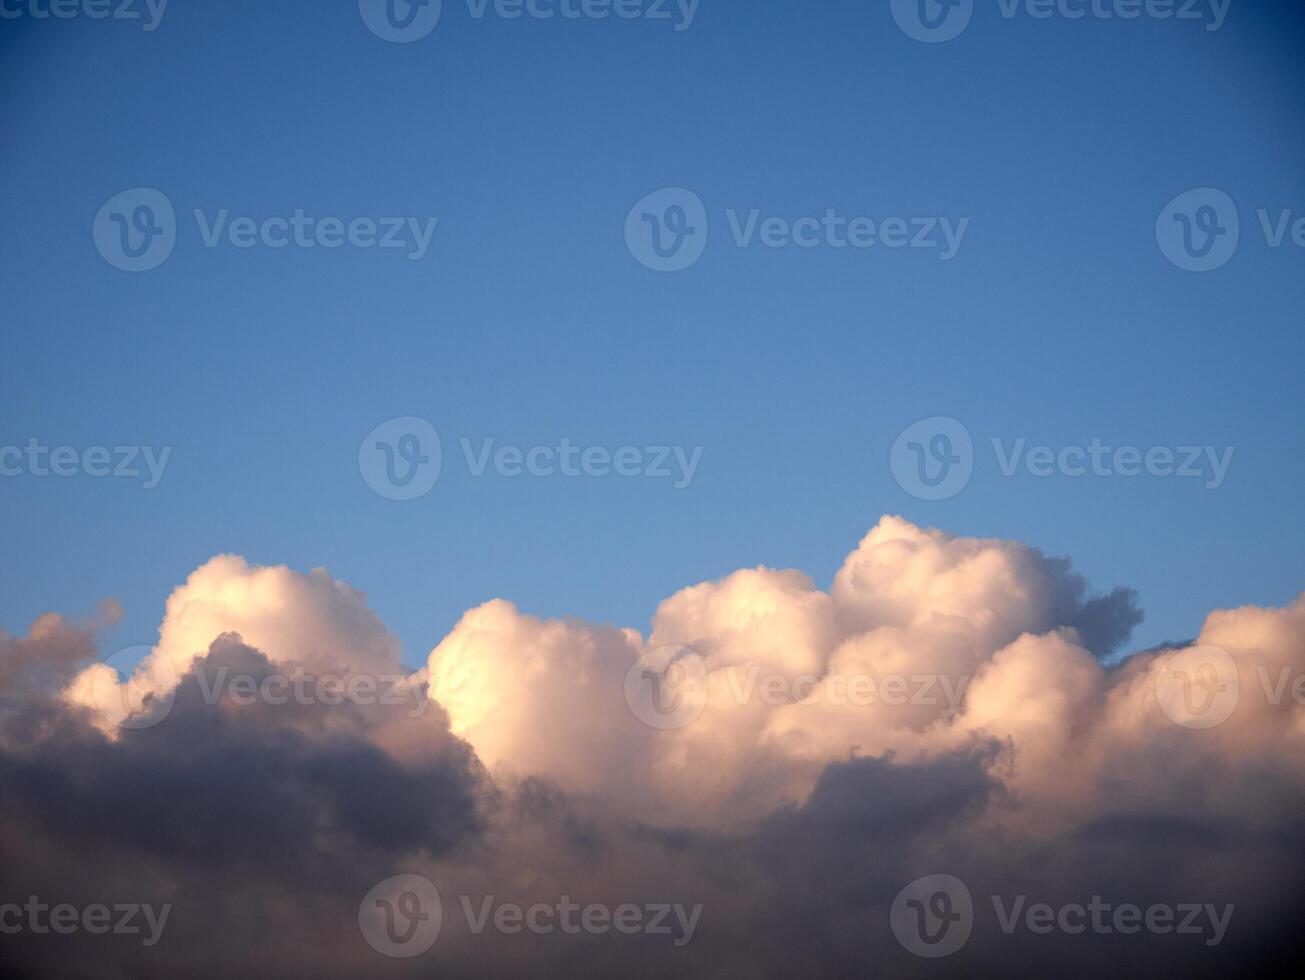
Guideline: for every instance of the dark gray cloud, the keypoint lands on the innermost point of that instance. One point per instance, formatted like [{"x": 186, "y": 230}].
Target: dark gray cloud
[{"x": 236, "y": 814}]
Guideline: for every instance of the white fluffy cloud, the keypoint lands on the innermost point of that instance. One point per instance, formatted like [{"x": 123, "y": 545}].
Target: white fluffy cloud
[
  {"x": 307, "y": 620},
  {"x": 926, "y": 642}
]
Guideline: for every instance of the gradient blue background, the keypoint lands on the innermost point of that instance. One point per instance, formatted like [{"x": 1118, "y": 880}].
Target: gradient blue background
[{"x": 529, "y": 320}]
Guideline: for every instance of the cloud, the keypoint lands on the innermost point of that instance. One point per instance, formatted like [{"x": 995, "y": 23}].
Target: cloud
[
  {"x": 950, "y": 705},
  {"x": 783, "y": 661},
  {"x": 309, "y": 620}
]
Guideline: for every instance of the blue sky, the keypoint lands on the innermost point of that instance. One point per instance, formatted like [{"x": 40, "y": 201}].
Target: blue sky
[{"x": 1058, "y": 321}]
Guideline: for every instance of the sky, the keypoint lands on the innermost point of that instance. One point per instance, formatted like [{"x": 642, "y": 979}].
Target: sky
[
  {"x": 625, "y": 393},
  {"x": 528, "y": 320}
]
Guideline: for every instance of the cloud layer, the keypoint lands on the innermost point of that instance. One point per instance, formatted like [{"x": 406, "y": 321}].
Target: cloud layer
[{"x": 786, "y": 757}]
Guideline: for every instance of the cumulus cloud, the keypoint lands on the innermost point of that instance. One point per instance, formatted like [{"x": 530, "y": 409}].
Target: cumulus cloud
[
  {"x": 308, "y": 620},
  {"x": 949, "y": 705},
  {"x": 795, "y": 678}
]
